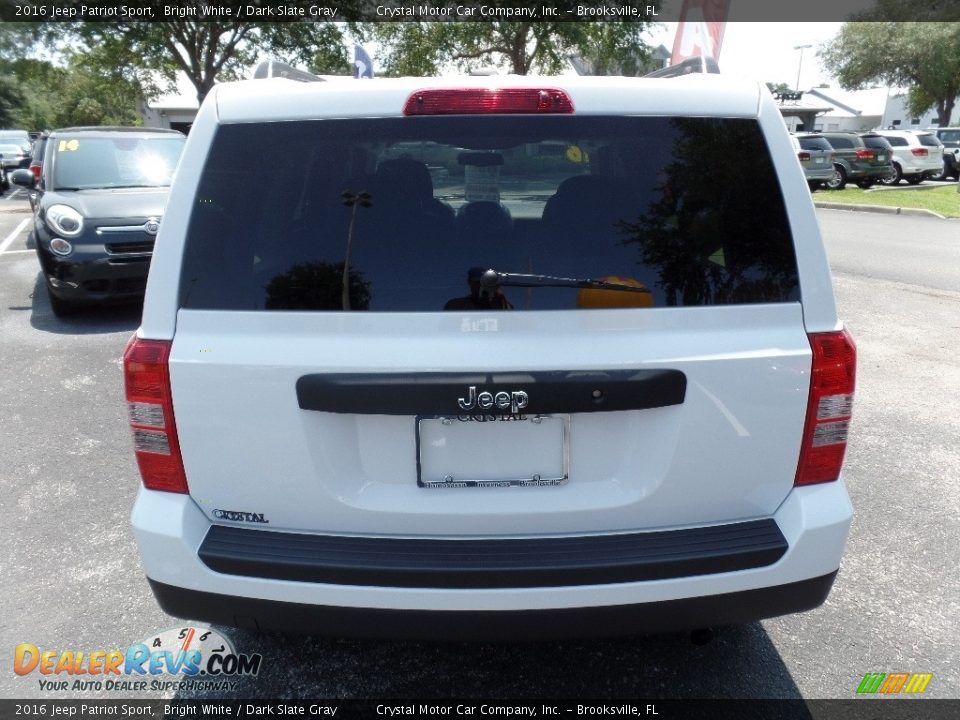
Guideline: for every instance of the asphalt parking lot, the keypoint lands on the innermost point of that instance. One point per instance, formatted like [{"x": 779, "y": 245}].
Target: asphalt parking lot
[{"x": 70, "y": 577}]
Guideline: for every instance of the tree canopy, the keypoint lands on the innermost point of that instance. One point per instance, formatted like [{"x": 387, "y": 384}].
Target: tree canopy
[
  {"x": 209, "y": 51},
  {"x": 518, "y": 47},
  {"x": 923, "y": 57}
]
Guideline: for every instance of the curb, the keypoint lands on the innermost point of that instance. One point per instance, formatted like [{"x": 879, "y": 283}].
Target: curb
[{"x": 883, "y": 209}]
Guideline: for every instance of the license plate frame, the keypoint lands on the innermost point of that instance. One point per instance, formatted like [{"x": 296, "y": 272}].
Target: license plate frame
[{"x": 535, "y": 449}]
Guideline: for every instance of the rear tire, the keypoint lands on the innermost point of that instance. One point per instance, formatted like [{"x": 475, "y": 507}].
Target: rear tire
[
  {"x": 944, "y": 173},
  {"x": 893, "y": 177},
  {"x": 865, "y": 184},
  {"x": 839, "y": 179},
  {"x": 915, "y": 179}
]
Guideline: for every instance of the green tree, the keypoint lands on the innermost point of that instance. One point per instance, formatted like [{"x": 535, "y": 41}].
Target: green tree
[
  {"x": 923, "y": 57},
  {"x": 152, "y": 54},
  {"x": 11, "y": 99},
  {"x": 518, "y": 47},
  {"x": 50, "y": 96}
]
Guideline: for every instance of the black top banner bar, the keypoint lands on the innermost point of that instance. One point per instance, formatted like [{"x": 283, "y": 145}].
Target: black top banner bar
[
  {"x": 480, "y": 709},
  {"x": 280, "y": 11}
]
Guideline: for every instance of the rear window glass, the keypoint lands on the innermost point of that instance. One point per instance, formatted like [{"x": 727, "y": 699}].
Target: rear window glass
[
  {"x": 875, "y": 142},
  {"x": 815, "y": 143},
  {"x": 950, "y": 136},
  {"x": 897, "y": 141},
  {"x": 929, "y": 140},
  {"x": 841, "y": 143},
  {"x": 666, "y": 211}
]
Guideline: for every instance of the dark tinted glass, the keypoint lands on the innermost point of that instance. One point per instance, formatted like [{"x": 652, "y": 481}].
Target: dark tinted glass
[
  {"x": 841, "y": 143},
  {"x": 875, "y": 142},
  {"x": 929, "y": 140},
  {"x": 897, "y": 141},
  {"x": 814, "y": 143},
  {"x": 689, "y": 208}
]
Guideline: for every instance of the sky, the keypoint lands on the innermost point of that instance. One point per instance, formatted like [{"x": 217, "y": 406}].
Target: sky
[{"x": 764, "y": 50}]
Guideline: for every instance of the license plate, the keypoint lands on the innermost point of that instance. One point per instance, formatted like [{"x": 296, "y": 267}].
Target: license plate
[
  {"x": 819, "y": 160},
  {"x": 881, "y": 158},
  {"x": 493, "y": 451}
]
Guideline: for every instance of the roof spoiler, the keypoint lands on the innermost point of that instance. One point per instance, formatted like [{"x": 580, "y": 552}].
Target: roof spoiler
[
  {"x": 701, "y": 64},
  {"x": 275, "y": 69}
]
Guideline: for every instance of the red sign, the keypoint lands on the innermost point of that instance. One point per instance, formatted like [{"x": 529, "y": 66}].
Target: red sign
[{"x": 700, "y": 31}]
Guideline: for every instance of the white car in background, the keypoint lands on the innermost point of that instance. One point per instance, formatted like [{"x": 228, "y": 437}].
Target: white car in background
[{"x": 917, "y": 155}]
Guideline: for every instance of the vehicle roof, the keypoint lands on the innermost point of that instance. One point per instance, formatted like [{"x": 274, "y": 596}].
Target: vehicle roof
[
  {"x": 904, "y": 132},
  {"x": 283, "y": 99}
]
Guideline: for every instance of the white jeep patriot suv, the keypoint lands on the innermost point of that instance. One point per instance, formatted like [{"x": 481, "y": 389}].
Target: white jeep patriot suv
[{"x": 458, "y": 358}]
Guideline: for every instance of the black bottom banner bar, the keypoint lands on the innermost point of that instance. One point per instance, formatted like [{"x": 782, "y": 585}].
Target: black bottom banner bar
[{"x": 873, "y": 708}]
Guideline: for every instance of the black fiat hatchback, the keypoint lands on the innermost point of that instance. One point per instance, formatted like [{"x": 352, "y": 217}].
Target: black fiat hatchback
[{"x": 101, "y": 195}]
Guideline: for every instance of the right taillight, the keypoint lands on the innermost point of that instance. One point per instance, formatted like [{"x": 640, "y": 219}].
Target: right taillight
[
  {"x": 150, "y": 407},
  {"x": 832, "y": 380}
]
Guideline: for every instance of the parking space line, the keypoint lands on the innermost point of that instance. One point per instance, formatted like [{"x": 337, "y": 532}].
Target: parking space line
[{"x": 13, "y": 236}]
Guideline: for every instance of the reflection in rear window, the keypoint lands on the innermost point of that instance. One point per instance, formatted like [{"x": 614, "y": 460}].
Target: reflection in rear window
[{"x": 688, "y": 209}]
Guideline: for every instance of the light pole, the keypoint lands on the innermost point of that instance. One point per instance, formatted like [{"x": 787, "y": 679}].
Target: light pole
[{"x": 801, "y": 48}]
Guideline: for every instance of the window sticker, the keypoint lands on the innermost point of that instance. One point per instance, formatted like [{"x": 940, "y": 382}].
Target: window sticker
[{"x": 69, "y": 145}]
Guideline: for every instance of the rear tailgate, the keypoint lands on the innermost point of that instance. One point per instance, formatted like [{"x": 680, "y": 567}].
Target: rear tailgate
[{"x": 726, "y": 451}]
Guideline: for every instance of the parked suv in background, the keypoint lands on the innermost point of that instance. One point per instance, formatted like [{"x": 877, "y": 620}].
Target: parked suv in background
[
  {"x": 99, "y": 203},
  {"x": 855, "y": 161},
  {"x": 489, "y": 356},
  {"x": 816, "y": 158},
  {"x": 36, "y": 163},
  {"x": 917, "y": 155},
  {"x": 950, "y": 138}
]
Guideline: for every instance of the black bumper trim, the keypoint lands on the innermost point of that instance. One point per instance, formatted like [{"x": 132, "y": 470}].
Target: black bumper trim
[
  {"x": 514, "y": 563},
  {"x": 561, "y": 391},
  {"x": 610, "y": 621}
]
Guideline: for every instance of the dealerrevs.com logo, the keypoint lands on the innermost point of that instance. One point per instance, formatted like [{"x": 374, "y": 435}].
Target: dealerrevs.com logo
[{"x": 175, "y": 659}]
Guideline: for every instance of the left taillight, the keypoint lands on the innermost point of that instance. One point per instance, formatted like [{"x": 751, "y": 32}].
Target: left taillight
[
  {"x": 919, "y": 152},
  {"x": 829, "y": 407},
  {"x": 150, "y": 408},
  {"x": 866, "y": 154},
  {"x": 35, "y": 168},
  {"x": 803, "y": 155}
]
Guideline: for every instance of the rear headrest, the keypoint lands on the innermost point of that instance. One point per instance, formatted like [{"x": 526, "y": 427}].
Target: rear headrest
[
  {"x": 409, "y": 179},
  {"x": 490, "y": 219},
  {"x": 580, "y": 198}
]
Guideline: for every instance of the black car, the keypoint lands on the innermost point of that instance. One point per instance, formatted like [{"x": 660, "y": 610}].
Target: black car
[
  {"x": 100, "y": 200},
  {"x": 950, "y": 137}
]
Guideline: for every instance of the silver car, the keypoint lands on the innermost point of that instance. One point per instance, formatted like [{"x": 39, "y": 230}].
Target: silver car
[{"x": 816, "y": 158}]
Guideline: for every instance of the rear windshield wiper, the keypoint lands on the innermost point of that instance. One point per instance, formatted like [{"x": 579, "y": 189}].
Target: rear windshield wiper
[{"x": 491, "y": 280}]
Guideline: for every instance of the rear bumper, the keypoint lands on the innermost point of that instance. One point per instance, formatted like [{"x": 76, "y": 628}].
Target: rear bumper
[
  {"x": 610, "y": 621},
  {"x": 813, "y": 521}
]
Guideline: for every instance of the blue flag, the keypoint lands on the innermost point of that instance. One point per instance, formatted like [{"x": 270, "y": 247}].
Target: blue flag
[{"x": 362, "y": 64}]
